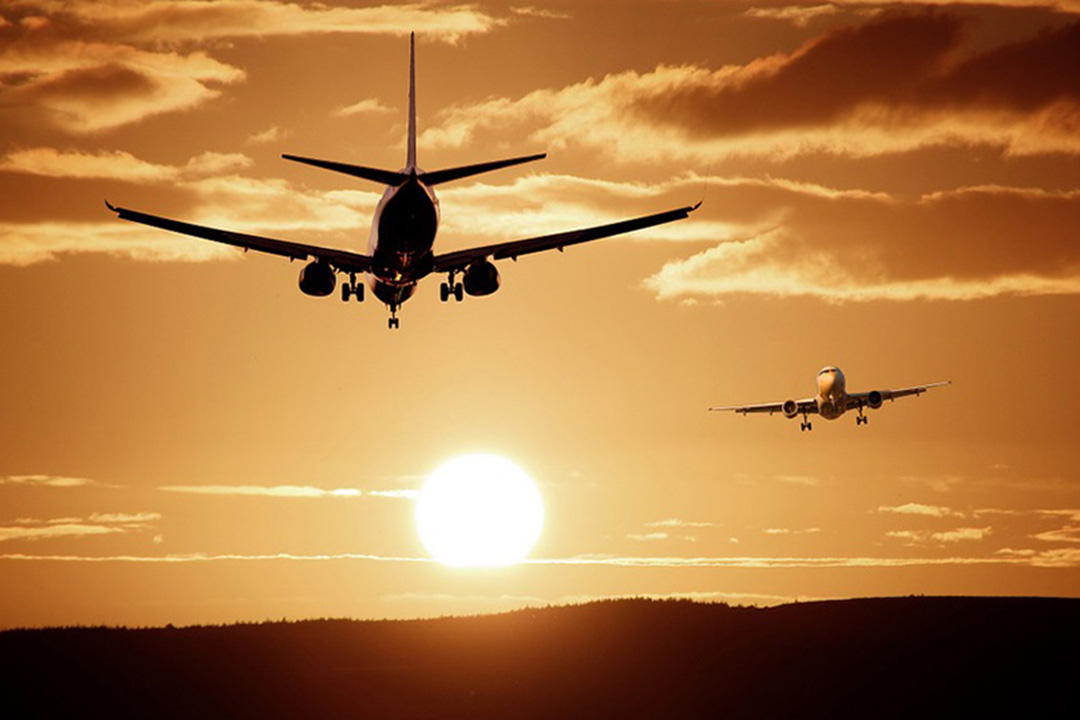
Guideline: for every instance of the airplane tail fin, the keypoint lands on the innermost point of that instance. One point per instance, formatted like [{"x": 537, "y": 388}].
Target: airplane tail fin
[
  {"x": 390, "y": 177},
  {"x": 410, "y": 160}
]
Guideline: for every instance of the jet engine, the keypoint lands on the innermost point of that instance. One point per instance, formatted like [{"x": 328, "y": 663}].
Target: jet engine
[
  {"x": 790, "y": 408},
  {"x": 318, "y": 279},
  {"x": 874, "y": 399},
  {"x": 481, "y": 278}
]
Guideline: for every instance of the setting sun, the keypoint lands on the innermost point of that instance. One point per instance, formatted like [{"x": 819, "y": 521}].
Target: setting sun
[{"x": 479, "y": 510}]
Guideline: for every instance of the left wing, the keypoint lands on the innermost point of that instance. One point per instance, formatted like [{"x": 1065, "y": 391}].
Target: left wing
[
  {"x": 459, "y": 259},
  {"x": 859, "y": 399},
  {"x": 803, "y": 407},
  {"x": 341, "y": 259}
]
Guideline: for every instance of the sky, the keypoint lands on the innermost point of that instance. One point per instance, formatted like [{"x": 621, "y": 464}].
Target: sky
[{"x": 892, "y": 188}]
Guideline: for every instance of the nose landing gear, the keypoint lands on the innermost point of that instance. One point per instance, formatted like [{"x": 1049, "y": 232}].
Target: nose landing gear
[{"x": 393, "y": 323}]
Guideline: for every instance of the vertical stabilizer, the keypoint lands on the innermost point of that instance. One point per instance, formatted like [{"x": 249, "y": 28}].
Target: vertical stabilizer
[{"x": 410, "y": 161}]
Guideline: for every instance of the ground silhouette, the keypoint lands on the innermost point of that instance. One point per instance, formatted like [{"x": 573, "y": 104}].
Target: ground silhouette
[{"x": 922, "y": 657}]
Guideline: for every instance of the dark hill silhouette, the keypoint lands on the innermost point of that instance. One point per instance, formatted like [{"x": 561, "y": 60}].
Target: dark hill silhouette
[{"x": 869, "y": 659}]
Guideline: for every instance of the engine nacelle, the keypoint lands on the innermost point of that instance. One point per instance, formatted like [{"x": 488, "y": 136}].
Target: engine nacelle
[
  {"x": 318, "y": 279},
  {"x": 874, "y": 399},
  {"x": 790, "y": 408},
  {"x": 481, "y": 278}
]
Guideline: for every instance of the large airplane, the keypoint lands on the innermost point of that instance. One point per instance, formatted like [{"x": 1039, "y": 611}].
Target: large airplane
[
  {"x": 400, "y": 249},
  {"x": 832, "y": 400}
]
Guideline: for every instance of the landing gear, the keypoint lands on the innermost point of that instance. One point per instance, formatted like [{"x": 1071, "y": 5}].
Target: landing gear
[
  {"x": 352, "y": 288},
  {"x": 805, "y": 424},
  {"x": 861, "y": 419},
  {"x": 449, "y": 288},
  {"x": 393, "y": 323}
]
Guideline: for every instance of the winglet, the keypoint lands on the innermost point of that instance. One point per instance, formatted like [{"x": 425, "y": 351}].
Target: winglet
[
  {"x": 111, "y": 207},
  {"x": 410, "y": 160}
]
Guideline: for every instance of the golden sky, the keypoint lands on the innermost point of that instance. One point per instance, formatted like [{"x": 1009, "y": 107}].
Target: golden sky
[{"x": 893, "y": 188}]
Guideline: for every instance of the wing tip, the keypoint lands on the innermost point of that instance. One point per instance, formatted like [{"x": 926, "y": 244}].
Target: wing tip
[{"x": 112, "y": 207}]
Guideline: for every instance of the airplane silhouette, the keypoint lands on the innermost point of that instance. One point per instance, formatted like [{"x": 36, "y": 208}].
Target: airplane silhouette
[
  {"x": 400, "y": 249},
  {"x": 832, "y": 400}
]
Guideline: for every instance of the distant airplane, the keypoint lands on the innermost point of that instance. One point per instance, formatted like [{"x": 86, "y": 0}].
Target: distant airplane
[
  {"x": 832, "y": 400},
  {"x": 403, "y": 232}
]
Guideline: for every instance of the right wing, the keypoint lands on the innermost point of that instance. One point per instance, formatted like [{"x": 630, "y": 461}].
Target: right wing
[
  {"x": 341, "y": 259},
  {"x": 459, "y": 259},
  {"x": 806, "y": 406}
]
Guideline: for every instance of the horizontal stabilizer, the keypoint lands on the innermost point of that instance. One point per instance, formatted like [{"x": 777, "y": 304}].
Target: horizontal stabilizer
[
  {"x": 386, "y": 177},
  {"x": 440, "y": 176}
]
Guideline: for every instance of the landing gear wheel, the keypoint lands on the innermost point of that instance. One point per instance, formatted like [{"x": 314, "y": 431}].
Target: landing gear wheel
[
  {"x": 352, "y": 288},
  {"x": 444, "y": 292},
  {"x": 393, "y": 323},
  {"x": 459, "y": 292}
]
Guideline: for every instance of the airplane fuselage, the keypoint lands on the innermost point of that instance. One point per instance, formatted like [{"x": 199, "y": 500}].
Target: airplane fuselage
[
  {"x": 832, "y": 393},
  {"x": 402, "y": 237}
]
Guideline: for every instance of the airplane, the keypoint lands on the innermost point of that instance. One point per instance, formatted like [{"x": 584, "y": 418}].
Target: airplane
[
  {"x": 832, "y": 400},
  {"x": 400, "y": 248}
]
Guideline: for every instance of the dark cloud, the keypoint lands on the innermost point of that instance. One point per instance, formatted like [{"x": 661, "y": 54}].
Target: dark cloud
[{"x": 890, "y": 71}]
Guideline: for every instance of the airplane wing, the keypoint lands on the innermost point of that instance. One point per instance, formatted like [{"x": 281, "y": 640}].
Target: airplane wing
[
  {"x": 459, "y": 259},
  {"x": 857, "y": 399},
  {"x": 341, "y": 259},
  {"x": 805, "y": 406}
]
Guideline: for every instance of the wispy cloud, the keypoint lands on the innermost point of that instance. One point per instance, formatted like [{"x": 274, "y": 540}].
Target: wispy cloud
[
  {"x": 56, "y": 481},
  {"x": 919, "y": 509},
  {"x": 1069, "y": 533},
  {"x": 925, "y": 537},
  {"x": 679, "y": 523},
  {"x": 91, "y": 67},
  {"x": 290, "y": 491},
  {"x": 74, "y": 527},
  {"x": 368, "y": 106},
  {"x": 791, "y": 531},
  {"x": 116, "y": 165},
  {"x": 271, "y": 134},
  {"x": 1062, "y": 558}
]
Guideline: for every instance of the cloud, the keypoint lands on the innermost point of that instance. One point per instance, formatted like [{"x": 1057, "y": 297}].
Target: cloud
[
  {"x": 116, "y": 165},
  {"x": 899, "y": 82},
  {"x": 790, "y": 531},
  {"x": 1058, "y": 558},
  {"x": 291, "y": 491},
  {"x": 967, "y": 243},
  {"x": 364, "y": 107},
  {"x": 49, "y": 480},
  {"x": 677, "y": 523},
  {"x": 806, "y": 480},
  {"x": 92, "y": 67},
  {"x": 798, "y": 15},
  {"x": 919, "y": 509},
  {"x": 922, "y": 537},
  {"x": 271, "y": 134},
  {"x": 1069, "y": 533},
  {"x": 531, "y": 11},
  {"x": 73, "y": 527}
]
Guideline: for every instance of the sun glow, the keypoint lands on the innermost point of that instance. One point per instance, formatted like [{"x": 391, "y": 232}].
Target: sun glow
[{"x": 479, "y": 510}]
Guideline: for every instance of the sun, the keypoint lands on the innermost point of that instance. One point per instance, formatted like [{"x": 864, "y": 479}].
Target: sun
[{"x": 479, "y": 510}]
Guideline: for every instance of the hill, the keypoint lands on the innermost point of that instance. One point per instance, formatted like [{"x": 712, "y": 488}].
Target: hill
[{"x": 878, "y": 658}]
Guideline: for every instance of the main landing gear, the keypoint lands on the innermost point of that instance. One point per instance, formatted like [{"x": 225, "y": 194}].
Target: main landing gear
[
  {"x": 805, "y": 424},
  {"x": 861, "y": 419},
  {"x": 449, "y": 288},
  {"x": 352, "y": 288}
]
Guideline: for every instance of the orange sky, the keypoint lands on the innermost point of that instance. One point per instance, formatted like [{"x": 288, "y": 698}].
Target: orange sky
[{"x": 891, "y": 188}]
